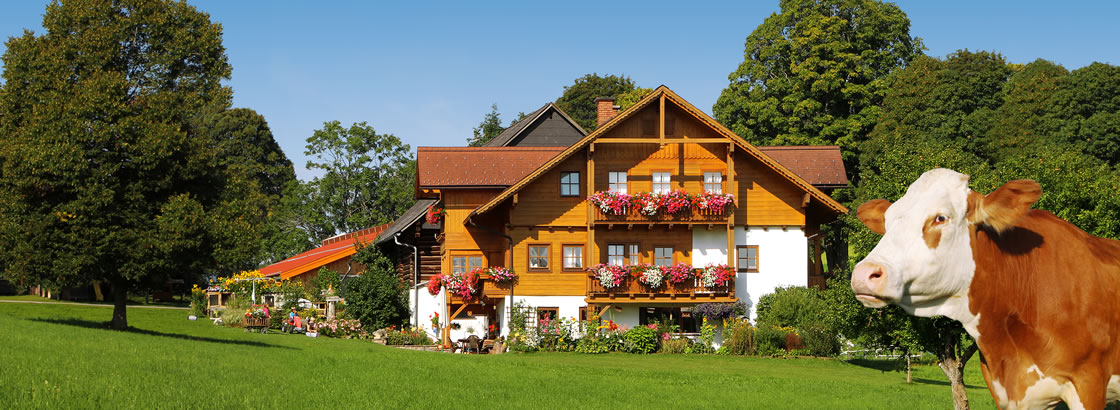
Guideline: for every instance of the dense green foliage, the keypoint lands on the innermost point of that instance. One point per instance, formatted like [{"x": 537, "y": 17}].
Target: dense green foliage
[
  {"x": 578, "y": 99},
  {"x": 642, "y": 340},
  {"x": 813, "y": 74},
  {"x": 202, "y": 365},
  {"x": 105, "y": 173},
  {"x": 377, "y": 297},
  {"x": 489, "y": 128}
]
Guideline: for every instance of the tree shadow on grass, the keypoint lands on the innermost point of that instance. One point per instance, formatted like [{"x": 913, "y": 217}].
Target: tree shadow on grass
[
  {"x": 89, "y": 324},
  {"x": 880, "y": 365}
]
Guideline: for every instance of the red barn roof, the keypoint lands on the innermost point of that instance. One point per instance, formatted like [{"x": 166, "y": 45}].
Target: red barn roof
[
  {"x": 821, "y": 166},
  {"x": 478, "y": 166},
  {"x": 331, "y": 250}
]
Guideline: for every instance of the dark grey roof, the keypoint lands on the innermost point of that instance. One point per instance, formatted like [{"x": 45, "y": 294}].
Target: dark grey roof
[
  {"x": 417, "y": 211},
  {"x": 517, "y": 128}
]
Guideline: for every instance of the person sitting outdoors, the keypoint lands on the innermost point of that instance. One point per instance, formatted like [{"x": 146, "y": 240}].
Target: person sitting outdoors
[
  {"x": 312, "y": 328},
  {"x": 291, "y": 322},
  {"x": 297, "y": 325}
]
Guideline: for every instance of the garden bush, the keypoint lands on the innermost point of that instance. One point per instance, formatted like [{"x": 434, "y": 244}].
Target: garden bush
[
  {"x": 716, "y": 311},
  {"x": 642, "y": 340},
  {"x": 198, "y": 301},
  {"x": 234, "y": 313},
  {"x": 738, "y": 337},
  {"x": 791, "y": 306},
  {"x": 409, "y": 337},
  {"x": 820, "y": 341},
  {"x": 378, "y": 298},
  {"x": 675, "y": 346},
  {"x": 770, "y": 340}
]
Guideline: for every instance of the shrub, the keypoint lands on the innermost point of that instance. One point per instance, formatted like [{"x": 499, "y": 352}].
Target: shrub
[
  {"x": 642, "y": 340},
  {"x": 675, "y": 346},
  {"x": 377, "y": 298},
  {"x": 277, "y": 319},
  {"x": 738, "y": 338},
  {"x": 343, "y": 328},
  {"x": 198, "y": 301},
  {"x": 234, "y": 313},
  {"x": 791, "y": 306},
  {"x": 820, "y": 341},
  {"x": 592, "y": 345},
  {"x": 413, "y": 337},
  {"x": 706, "y": 340},
  {"x": 770, "y": 340}
]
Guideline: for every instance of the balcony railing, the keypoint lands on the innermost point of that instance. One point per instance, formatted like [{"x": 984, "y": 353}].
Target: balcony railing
[
  {"x": 693, "y": 215},
  {"x": 633, "y": 290}
]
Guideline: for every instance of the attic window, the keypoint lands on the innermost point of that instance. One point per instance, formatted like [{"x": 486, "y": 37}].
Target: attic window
[{"x": 569, "y": 184}]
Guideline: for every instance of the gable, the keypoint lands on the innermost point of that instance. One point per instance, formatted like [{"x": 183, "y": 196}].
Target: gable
[
  {"x": 633, "y": 126},
  {"x": 548, "y": 126}
]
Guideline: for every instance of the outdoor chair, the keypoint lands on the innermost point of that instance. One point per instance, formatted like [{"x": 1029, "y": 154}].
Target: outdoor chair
[{"x": 472, "y": 344}]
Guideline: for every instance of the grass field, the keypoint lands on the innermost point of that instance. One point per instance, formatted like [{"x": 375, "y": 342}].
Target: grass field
[{"x": 61, "y": 356}]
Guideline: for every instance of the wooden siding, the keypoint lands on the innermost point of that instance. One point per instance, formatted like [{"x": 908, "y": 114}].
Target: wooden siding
[
  {"x": 770, "y": 199},
  {"x": 462, "y": 239},
  {"x": 555, "y": 281},
  {"x": 678, "y": 237},
  {"x": 540, "y": 203}
]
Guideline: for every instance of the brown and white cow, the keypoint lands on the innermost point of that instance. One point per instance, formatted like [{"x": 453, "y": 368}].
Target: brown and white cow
[{"x": 1040, "y": 296}]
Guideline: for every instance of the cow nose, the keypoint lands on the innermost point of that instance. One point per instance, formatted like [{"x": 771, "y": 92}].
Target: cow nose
[{"x": 868, "y": 278}]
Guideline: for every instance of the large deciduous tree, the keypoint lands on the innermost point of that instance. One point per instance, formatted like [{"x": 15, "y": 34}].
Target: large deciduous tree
[
  {"x": 102, "y": 175},
  {"x": 578, "y": 99},
  {"x": 814, "y": 72},
  {"x": 367, "y": 179}
]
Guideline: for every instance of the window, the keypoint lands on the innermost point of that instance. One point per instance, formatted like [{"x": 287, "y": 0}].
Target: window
[
  {"x": 573, "y": 256},
  {"x": 616, "y": 255},
  {"x": 661, "y": 182},
  {"x": 663, "y": 256},
  {"x": 713, "y": 182},
  {"x": 549, "y": 313},
  {"x": 634, "y": 257},
  {"x": 617, "y": 182},
  {"x": 682, "y": 317},
  {"x": 464, "y": 264},
  {"x": 538, "y": 257},
  {"x": 569, "y": 184},
  {"x": 748, "y": 258}
]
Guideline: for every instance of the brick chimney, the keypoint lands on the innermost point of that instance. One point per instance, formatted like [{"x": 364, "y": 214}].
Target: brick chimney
[{"x": 605, "y": 109}]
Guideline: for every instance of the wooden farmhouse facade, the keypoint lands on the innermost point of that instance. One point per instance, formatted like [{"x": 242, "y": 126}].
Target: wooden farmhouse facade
[{"x": 527, "y": 208}]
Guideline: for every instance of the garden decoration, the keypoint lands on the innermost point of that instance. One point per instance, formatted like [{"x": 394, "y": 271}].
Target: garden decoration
[
  {"x": 609, "y": 276},
  {"x": 501, "y": 275},
  {"x": 463, "y": 285},
  {"x": 715, "y": 275},
  {"x": 435, "y": 283},
  {"x": 651, "y": 204},
  {"x": 650, "y": 275},
  {"x": 677, "y": 273},
  {"x": 434, "y": 215}
]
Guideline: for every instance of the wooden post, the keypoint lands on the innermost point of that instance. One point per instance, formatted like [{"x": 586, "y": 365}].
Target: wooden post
[
  {"x": 661, "y": 126},
  {"x": 591, "y": 210},
  {"x": 447, "y": 329}
]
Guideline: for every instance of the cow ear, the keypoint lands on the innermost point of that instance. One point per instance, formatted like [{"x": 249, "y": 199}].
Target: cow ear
[
  {"x": 1002, "y": 208},
  {"x": 871, "y": 214}
]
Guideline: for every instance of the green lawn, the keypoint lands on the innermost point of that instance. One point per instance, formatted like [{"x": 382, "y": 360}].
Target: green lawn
[{"x": 61, "y": 356}]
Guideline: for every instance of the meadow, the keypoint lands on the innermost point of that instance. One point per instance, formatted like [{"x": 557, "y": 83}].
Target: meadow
[{"x": 55, "y": 356}]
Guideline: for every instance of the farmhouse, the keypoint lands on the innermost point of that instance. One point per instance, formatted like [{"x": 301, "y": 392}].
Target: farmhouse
[{"x": 530, "y": 207}]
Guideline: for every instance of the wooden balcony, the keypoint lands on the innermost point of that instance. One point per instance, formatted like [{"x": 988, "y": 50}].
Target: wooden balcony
[
  {"x": 693, "y": 215},
  {"x": 633, "y": 291}
]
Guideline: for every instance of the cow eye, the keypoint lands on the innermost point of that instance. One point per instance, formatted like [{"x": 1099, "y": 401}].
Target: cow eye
[{"x": 940, "y": 219}]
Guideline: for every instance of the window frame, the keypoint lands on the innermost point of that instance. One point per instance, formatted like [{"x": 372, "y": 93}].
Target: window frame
[
  {"x": 547, "y": 255},
  {"x": 582, "y": 257},
  {"x": 625, "y": 184},
  {"x": 552, "y": 309},
  {"x": 704, "y": 180},
  {"x": 568, "y": 184},
  {"x": 739, "y": 250},
  {"x": 622, "y": 256},
  {"x": 467, "y": 255},
  {"x": 672, "y": 254},
  {"x": 653, "y": 181}
]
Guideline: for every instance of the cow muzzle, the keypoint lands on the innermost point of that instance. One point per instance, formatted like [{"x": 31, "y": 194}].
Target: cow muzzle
[{"x": 868, "y": 281}]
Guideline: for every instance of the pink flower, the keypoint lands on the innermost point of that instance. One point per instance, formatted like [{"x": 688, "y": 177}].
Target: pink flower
[{"x": 651, "y": 326}]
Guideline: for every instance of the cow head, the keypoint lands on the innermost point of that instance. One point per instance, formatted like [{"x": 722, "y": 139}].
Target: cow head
[{"x": 924, "y": 261}]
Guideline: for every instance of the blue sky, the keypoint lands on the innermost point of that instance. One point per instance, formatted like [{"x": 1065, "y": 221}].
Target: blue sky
[{"x": 428, "y": 71}]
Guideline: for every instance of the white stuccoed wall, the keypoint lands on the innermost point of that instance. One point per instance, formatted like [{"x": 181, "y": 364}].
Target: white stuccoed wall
[
  {"x": 782, "y": 258},
  {"x": 429, "y": 304}
]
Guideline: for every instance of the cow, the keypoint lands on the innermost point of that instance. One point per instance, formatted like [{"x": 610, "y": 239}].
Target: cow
[{"x": 1040, "y": 296}]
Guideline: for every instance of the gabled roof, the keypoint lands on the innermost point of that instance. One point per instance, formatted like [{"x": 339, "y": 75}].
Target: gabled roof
[
  {"x": 332, "y": 249},
  {"x": 510, "y": 134},
  {"x": 687, "y": 107},
  {"x": 462, "y": 167},
  {"x": 409, "y": 217},
  {"x": 822, "y": 166}
]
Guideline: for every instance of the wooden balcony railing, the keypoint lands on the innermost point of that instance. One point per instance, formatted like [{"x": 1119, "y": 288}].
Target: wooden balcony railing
[
  {"x": 631, "y": 290},
  {"x": 693, "y": 215}
]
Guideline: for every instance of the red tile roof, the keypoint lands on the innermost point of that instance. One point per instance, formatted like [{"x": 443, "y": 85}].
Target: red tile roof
[
  {"x": 819, "y": 165},
  {"x": 478, "y": 166},
  {"x": 332, "y": 249}
]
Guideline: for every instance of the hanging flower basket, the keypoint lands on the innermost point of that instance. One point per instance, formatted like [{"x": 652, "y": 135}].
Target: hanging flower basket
[
  {"x": 611, "y": 203},
  {"x": 677, "y": 273},
  {"x": 435, "y": 284},
  {"x": 435, "y": 215},
  {"x": 650, "y": 275}
]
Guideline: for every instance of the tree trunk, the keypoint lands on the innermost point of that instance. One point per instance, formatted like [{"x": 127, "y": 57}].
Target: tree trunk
[
  {"x": 120, "y": 301},
  {"x": 909, "y": 377},
  {"x": 954, "y": 370}
]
